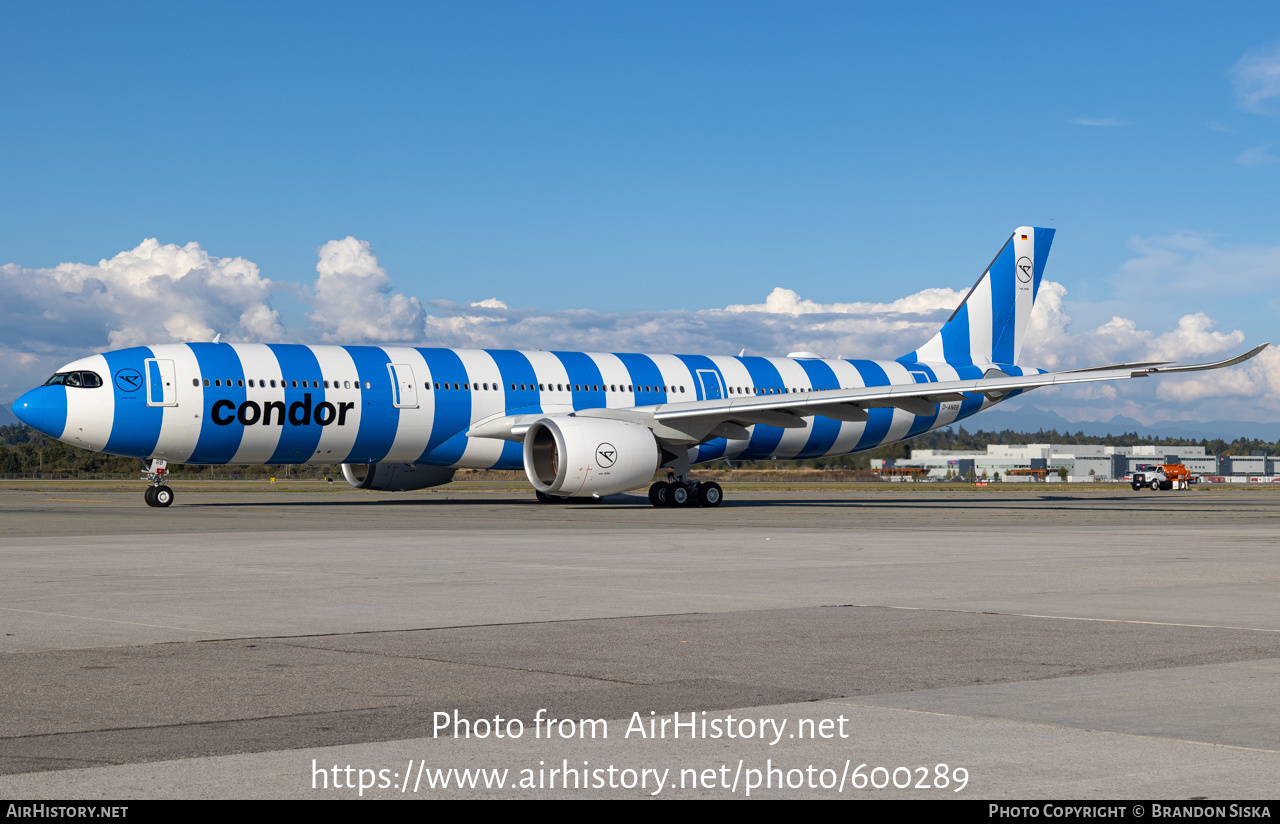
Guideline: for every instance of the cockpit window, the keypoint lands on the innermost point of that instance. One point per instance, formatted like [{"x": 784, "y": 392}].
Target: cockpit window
[{"x": 87, "y": 380}]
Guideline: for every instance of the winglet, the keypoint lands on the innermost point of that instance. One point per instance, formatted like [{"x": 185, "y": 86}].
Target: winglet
[{"x": 1200, "y": 367}]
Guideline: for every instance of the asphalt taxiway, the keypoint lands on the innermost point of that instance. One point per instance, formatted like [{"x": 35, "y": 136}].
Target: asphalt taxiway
[{"x": 1058, "y": 642}]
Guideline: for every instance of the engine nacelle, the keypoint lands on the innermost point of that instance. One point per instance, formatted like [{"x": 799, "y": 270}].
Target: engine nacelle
[
  {"x": 580, "y": 457},
  {"x": 396, "y": 477}
]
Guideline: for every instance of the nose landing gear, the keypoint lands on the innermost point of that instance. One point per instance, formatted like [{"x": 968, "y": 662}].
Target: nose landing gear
[{"x": 159, "y": 493}]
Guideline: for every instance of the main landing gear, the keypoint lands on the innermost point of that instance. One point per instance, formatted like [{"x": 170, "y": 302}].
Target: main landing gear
[
  {"x": 686, "y": 493},
  {"x": 159, "y": 493}
]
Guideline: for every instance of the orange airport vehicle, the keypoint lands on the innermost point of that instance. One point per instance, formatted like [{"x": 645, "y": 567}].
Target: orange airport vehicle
[{"x": 1162, "y": 476}]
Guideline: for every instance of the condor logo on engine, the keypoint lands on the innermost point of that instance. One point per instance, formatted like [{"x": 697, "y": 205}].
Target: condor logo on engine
[{"x": 606, "y": 455}]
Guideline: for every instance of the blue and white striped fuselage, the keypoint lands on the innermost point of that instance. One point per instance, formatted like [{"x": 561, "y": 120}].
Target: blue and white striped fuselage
[{"x": 221, "y": 403}]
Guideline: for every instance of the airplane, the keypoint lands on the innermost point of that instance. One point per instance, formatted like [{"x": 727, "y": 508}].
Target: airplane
[{"x": 581, "y": 425}]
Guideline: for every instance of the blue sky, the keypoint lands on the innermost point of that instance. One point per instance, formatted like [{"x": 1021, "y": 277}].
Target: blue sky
[{"x": 656, "y": 158}]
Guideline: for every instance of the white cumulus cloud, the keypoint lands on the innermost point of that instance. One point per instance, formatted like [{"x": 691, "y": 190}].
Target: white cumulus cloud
[
  {"x": 783, "y": 301},
  {"x": 353, "y": 301},
  {"x": 154, "y": 293},
  {"x": 489, "y": 303}
]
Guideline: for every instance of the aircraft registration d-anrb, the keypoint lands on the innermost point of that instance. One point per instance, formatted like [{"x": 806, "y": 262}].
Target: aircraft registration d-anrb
[{"x": 579, "y": 424}]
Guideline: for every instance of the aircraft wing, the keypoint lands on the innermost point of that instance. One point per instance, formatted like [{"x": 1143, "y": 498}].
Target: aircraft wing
[{"x": 694, "y": 422}]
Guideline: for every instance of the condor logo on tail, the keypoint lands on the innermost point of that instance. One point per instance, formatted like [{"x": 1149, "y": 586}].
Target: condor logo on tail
[{"x": 301, "y": 413}]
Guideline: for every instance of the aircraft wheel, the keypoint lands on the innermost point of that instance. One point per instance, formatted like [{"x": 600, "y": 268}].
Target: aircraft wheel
[
  {"x": 678, "y": 494},
  {"x": 150, "y": 496},
  {"x": 163, "y": 496},
  {"x": 658, "y": 494},
  {"x": 710, "y": 494}
]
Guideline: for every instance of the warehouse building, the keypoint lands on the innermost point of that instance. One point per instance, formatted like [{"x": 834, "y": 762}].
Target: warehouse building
[{"x": 1082, "y": 463}]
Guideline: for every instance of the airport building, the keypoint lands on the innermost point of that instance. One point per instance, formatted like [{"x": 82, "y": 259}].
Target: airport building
[{"x": 1083, "y": 463}]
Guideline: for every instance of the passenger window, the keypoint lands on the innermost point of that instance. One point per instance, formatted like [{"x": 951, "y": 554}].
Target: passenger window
[
  {"x": 195, "y": 381},
  {"x": 206, "y": 382},
  {"x": 273, "y": 383},
  {"x": 437, "y": 384},
  {"x": 368, "y": 384},
  {"x": 240, "y": 383}
]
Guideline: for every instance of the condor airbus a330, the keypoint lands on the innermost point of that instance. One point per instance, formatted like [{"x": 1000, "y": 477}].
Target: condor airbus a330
[{"x": 579, "y": 424}]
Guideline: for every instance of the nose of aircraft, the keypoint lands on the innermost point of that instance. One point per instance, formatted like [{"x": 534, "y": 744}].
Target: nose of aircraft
[{"x": 43, "y": 408}]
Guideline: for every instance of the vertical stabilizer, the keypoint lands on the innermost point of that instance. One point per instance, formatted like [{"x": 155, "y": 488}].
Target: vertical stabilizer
[{"x": 991, "y": 323}]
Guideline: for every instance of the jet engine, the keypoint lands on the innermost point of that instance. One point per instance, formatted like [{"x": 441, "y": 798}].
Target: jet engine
[
  {"x": 580, "y": 457},
  {"x": 395, "y": 477}
]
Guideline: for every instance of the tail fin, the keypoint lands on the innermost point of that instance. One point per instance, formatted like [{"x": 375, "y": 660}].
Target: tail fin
[{"x": 989, "y": 326}]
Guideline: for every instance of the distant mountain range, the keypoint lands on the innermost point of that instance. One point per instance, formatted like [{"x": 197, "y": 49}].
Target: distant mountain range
[{"x": 1031, "y": 420}]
